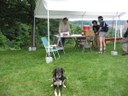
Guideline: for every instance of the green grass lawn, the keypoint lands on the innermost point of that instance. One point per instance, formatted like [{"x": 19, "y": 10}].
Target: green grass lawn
[{"x": 24, "y": 73}]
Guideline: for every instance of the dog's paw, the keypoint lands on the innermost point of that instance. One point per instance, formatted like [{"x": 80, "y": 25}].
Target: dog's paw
[
  {"x": 64, "y": 86},
  {"x": 51, "y": 85}
]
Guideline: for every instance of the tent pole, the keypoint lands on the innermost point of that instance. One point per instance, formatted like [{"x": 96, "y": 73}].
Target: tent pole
[
  {"x": 33, "y": 45},
  {"x": 115, "y": 33},
  {"x": 48, "y": 56},
  {"x": 112, "y": 26},
  {"x": 83, "y": 19},
  {"x": 114, "y": 52},
  {"x": 120, "y": 28},
  {"x": 48, "y": 32},
  {"x": 82, "y": 24}
]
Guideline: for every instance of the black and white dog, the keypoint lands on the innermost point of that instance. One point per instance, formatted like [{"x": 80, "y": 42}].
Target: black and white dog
[{"x": 58, "y": 81}]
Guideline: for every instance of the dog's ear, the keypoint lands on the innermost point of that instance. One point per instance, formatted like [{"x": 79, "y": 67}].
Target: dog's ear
[{"x": 62, "y": 70}]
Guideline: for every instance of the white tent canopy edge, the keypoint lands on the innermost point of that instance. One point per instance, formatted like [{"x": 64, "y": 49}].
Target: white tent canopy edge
[{"x": 57, "y": 12}]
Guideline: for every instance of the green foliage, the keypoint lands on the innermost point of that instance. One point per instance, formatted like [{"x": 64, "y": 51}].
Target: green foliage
[
  {"x": 80, "y": 23},
  {"x": 42, "y": 26},
  {"x": 111, "y": 33},
  {"x": 54, "y": 25},
  {"x": 13, "y": 11},
  {"x": 3, "y": 41},
  {"x": 18, "y": 35},
  {"x": 77, "y": 30},
  {"x": 22, "y": 35}
]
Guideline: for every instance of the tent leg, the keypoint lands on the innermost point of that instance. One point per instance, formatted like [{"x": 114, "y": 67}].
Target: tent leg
[
  {"x": 33, "y": 46},
  {"x": 115, "y": 34},
  {"x": 115, "y": 52},
  {"x": 48, "y": 32}
]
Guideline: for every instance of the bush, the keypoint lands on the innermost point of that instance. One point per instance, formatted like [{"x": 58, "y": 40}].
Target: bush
[
  {"x": 18, "y": 35},
  {"x": 4, "y": 42},
  {"x": 23, "y": 35},
  {"x": 77, "y": 29}
]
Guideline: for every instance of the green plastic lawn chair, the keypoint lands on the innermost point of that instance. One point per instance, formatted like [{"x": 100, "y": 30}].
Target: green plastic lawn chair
[{"x": 52, "y": 49}]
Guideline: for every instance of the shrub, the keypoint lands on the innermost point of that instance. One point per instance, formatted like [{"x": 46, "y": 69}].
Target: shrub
[
  {"x": 4, "y": 42},
  {"x": 18, "y": 35}
]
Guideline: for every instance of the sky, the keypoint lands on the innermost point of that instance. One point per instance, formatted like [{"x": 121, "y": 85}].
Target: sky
[{"x": 89, "y": 5}]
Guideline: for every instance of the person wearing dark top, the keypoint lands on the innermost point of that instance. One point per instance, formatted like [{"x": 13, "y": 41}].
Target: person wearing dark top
[
  {"x": 125, "y": 41},
  {"x": 102, "y": 35},
  {"x": 96, "y": 29}
]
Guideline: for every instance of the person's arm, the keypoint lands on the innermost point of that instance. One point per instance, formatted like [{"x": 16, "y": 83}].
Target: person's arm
[
  {"x": 98, "y": 30},
  {"x": 93, "y": 28},
  {"x": 69, "y": 27},
  {"x": 101, "y": 26},
  {"x": 125, "y": 27}
]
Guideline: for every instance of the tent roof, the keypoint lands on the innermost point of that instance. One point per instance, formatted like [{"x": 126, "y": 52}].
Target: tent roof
[{"x": 75, "y": 9}]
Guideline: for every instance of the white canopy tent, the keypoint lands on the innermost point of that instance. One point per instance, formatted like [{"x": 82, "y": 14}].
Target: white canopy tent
[
  {"x": 77, "y": 9},
  {"x": 60, "y": 9}
]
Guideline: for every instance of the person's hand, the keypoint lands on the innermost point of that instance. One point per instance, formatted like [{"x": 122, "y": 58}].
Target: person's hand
[
  {"x": 70, "y": 33},
  {"x": 97, "y": 33}
]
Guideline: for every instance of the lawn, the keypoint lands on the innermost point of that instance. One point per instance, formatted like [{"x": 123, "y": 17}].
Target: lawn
[{"x": 24, "y": 73}]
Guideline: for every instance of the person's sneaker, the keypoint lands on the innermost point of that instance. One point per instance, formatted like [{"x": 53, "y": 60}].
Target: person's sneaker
[
  {"x": 100, "y": 52},
  {"x": 124, "y": 53},
  {"x": 104, "y": 50}
]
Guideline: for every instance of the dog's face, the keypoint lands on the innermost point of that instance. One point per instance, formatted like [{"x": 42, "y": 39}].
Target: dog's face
[{"x": 58, "y": 73}]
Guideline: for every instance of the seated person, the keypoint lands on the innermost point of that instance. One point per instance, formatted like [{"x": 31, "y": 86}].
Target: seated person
[
  {"x": 64, "y": 27},
  {"x": 96, "y": 29}
]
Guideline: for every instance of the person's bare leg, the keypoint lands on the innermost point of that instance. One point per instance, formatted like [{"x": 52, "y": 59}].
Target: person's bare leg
[
  {"x": 97, "y": 41},
  {"x": 101, "y": 45},
  {"x": 104, "y": 43}
]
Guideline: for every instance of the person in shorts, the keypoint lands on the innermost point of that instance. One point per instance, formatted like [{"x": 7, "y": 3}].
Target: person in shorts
[{"x": 102, "y": 35}]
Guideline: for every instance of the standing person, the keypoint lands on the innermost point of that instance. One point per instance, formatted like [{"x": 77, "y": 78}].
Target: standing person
[
  {"x": 96, "y": 29},
  {"x": 125, "y": 40},
  {"x": 102, "y": 34},
  {"x": 64, "y": 27}
]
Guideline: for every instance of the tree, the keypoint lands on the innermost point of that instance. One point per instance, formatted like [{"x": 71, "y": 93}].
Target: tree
[
  {"x": 14, "y": 11},
  {"x": 16, "y": 16}
]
